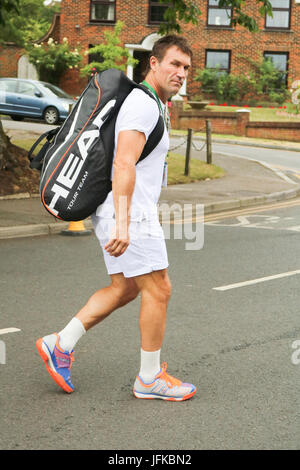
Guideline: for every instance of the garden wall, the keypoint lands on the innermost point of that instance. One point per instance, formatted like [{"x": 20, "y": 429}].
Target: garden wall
[
  {"x": 274, "y": 130},
  {"x": 234, "y": 123}
]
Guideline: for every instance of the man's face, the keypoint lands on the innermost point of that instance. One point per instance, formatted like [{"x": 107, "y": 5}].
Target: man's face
[{"x": 171, "y": 72}]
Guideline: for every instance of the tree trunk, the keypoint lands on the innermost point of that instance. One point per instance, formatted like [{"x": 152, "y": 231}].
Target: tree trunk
[
  {"x": 15, "y": 174},
  {"x": 8, "y": 154}
]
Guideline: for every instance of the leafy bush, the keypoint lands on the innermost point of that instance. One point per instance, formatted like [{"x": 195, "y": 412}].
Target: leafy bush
[
  {"x": 223, "y": 86},
  {"x": 279, "y": 98},
  {"x": 52, "y": 60},
  {"x": 264, "y": 80}
]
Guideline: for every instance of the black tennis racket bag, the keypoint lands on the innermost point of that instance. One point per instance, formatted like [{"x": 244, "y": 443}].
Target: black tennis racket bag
[{"x": 76, "y": 160}]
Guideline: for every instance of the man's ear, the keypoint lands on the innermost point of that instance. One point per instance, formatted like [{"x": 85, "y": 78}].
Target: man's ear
[{"x": 153, "y": 62}]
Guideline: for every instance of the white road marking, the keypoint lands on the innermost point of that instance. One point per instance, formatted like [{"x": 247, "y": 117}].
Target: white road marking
[
  {"x": 243, "y": 221},
  {"x": 9, "y": 330},
  {"x": 278, "y": 172},
  {"x": 256, "y": 281}
]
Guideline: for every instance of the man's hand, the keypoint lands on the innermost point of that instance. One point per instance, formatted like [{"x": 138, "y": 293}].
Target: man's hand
[{"x": 119, "y": 240}]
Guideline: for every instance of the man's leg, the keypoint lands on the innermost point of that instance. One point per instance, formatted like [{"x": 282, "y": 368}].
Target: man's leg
[
  {"x": 101, "y": 304},
  {"x": 153, "y": 381},
  {"x": 56, "y": 350},
  {"x": 121, "y": 291},
  {"x": 155, "y": 289}
]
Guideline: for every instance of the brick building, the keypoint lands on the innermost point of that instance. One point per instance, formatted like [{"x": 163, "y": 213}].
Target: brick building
[{"x": 213, "y": 41}]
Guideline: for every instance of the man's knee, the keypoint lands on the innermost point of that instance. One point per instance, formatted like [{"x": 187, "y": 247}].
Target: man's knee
[
  {"x": 166, "y": 288},
  {"x": 130, "y": 294},
  {"x": 160, "y": 289},
  {"x": 126, "y": 291}
]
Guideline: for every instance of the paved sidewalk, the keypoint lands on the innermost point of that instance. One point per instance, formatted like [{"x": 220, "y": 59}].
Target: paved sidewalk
[{"x": 246, "y": 183}]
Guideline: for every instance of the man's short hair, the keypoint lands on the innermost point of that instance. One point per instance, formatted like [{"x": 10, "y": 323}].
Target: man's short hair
[{"x": 161, "y": 46}]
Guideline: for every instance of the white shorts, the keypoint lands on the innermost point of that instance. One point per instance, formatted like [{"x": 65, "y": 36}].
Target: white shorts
[{"x": 146, "y": 251}]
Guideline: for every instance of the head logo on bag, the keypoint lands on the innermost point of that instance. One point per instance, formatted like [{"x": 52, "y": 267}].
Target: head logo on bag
[
  {"x": 72, "y": 168},
  {"x": 76, "y": 161}
]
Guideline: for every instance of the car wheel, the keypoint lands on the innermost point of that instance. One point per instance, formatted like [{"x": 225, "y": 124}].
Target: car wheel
[
  {"x": 51, "y": 115},
  {"x": 17, "y": 118}
]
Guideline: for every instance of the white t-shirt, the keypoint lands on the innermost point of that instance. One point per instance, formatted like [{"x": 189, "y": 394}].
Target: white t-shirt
[{"x": 140, "y": 112}]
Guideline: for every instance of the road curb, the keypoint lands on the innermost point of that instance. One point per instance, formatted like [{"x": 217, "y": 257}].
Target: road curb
[
  {"x": 252, "y": 201},
  {"x": 19, "y": 196},
  {"x": 33, "y": 230}
]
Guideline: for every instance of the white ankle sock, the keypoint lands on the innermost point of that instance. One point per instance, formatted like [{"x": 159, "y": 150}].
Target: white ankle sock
[
  {"x": 69, "y": 336},
  {"x": 150, "y": 365}
]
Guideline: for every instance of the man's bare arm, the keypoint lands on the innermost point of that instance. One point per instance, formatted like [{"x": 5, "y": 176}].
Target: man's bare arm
[{"x": 129, "y": 148}]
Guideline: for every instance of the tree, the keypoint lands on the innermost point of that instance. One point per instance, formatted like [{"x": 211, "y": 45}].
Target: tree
[
  {"x": 187, "y": 11},
  {"x": 12, "y": 158},
  {"x": 6, "y": 150},
  {"x": 25, "y": 20},
  {"x": 7, "y": 7},
  {"x": 110, "y": 54}
]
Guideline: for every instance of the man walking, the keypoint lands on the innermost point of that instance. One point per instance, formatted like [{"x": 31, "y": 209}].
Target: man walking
[{"x": 128, "y": 229}]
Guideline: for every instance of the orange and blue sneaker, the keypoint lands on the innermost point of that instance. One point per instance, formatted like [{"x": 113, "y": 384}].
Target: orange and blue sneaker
[
  {"x": 58, "y": 362},
  {"x": 164, "y": 387}
]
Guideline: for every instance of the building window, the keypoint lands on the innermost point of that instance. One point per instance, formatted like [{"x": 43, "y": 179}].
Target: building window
[
  {"x": 280, "y": 61},
  {"x": 218, "y": 60},
  {"x": 281, "y": 15},
  {"x": 218, "y": 17},
  {"x": 156, "y": 11},
  {"x": 103, "y": 11}
]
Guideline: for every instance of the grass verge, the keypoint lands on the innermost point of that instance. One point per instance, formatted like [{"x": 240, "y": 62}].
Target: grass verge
[
  {"x": 259, "y": 114},
  {"x": 198, "y": 170}
]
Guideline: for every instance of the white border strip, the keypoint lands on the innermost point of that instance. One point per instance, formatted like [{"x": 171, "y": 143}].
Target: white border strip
[
  {"x": 9, "y": 330},
  {"x": 256, "y": 281}
]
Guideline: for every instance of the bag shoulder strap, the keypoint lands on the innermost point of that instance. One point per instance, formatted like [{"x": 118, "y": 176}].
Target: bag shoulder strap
[
  {"x": 158, "y": 131},
  {"x": 154, "y": 138},
  {"x": 37, "y": 161}
]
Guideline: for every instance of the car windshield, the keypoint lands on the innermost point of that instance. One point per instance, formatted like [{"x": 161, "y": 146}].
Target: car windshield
[{"x": 55, "y": 90}]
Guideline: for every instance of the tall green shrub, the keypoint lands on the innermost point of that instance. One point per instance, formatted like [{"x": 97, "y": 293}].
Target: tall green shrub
[
  {"x": 112, "y": 54},
  {"x": 270, "y": 81}
]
